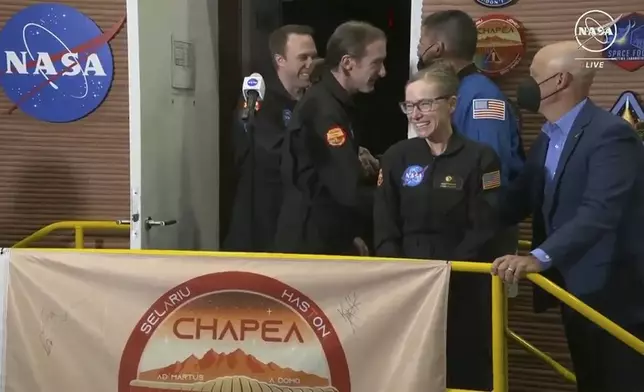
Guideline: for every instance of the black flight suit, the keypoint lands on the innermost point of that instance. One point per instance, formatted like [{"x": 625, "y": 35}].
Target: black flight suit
[
  {"x": 445, "y": 208},
  {"x": 253, "y": 227},
  {"x": 328, "y": 200}
]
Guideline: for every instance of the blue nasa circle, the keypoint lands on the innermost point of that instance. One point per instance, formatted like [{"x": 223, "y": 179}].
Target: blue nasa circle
[
  {"x": 495, "y": 3},
  {"x": 40, "y": 70},
  {"x": 252, "y": 82},
  {"x": 413, "y": 175}
]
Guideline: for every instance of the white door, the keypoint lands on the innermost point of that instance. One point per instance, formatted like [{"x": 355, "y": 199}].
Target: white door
[{"x": 174, "y": 124}]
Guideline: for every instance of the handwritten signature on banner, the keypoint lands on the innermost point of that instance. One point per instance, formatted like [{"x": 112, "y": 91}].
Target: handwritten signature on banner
[{"x": 349, "y": 310}]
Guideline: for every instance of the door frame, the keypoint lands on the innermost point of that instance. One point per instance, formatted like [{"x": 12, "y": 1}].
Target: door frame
[
  {"x": 134, "y": 90},
  {"x": 414, "y": 37}
]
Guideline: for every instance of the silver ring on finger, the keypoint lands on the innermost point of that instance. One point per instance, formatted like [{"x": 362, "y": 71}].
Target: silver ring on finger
[{"x": 511, "y": 269}]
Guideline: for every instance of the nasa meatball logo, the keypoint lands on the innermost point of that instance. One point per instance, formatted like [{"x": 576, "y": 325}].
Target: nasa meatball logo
[
  {"x": 414, "y": 175},
  {"x": 234, "y": 331},
  {"x": 500, "y": 46},
  {"x": 56, "y": 64}
]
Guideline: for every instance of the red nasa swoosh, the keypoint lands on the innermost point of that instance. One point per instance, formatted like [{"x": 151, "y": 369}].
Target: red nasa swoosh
[{"x": 95, "y": 42}]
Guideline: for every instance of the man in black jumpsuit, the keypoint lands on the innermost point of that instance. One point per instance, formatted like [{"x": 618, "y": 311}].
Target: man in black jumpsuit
[
  {"x": 328, "y": 202},
  {"x": 259, "y": 189}
]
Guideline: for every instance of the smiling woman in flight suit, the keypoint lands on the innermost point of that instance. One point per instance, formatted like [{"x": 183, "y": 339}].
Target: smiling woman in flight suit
[{"x": 437, "y": 199}]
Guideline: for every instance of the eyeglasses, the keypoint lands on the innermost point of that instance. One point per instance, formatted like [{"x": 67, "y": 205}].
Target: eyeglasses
[{"x": 424, "y": 105}]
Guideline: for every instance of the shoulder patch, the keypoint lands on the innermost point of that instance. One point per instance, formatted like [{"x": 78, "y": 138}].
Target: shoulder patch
[
  {"x": 488, "y": 109},
  {"x": 491, "y": 180},
  {"x": 336, "y": 137},
  {"x": 381, "y": 178}
]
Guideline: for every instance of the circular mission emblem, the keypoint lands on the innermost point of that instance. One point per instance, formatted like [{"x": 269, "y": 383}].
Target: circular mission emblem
[
  {"x": 234, "y": 331},
  {"x": 56, "y": 64},
  {"x": 500, "y": 46}
]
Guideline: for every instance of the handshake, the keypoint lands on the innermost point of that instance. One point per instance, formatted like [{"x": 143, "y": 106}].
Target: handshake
[{"x": 370, "y": 165}]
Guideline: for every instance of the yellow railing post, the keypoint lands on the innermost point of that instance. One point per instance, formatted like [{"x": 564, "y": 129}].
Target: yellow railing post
[
  {"x": 499, "y": 343},
  {"x": 78, "y": 227},
  {"x": 79, "y": 237}
]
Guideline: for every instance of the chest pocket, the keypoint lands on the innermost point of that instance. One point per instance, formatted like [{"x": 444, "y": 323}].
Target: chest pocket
[{"x": 449, "y": 193}]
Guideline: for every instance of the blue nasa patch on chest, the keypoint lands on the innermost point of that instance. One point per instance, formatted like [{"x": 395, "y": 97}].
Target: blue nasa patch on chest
[
  {"x": 495, "y": 3},
  {"x": 286, "y": 116},
  {"x": 413, "y": 175}
]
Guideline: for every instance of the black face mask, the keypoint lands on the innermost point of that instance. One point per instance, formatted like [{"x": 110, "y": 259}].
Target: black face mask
[
  {"x": 422, "y": 63},
  {"x": 529, "y": 93}
]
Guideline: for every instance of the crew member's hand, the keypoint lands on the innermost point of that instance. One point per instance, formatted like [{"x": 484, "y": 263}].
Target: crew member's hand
[
  {"x": 361, "y": 246},
  {"x": 370, "y": 164},
  {"x": 511, "y": 268}
]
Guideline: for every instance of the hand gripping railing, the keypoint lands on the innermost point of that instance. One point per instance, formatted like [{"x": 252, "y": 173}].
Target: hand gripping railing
[
  {"x": 79, "y": 228},
  {"x": 585, "y": 310}
]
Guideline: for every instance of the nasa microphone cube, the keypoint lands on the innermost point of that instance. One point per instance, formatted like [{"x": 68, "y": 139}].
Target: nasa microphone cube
[{"x": 254, "y": 86}]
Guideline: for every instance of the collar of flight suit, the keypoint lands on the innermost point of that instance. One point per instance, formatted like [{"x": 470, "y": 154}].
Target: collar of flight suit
[
  {"x": 468, "y": 70},
  {"x": 276, "y": 88},
  {"x": 455, "y": 143},
  {"x": 330, "y": 83}
]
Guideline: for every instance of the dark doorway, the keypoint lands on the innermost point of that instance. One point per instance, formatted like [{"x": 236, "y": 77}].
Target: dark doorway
[{"x": 384, "y": 122}]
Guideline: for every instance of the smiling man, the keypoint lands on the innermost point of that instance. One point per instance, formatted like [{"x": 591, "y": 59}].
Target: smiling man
[
  {"x": 327, "y": 208},
  {"x": 259, "y": 188}
]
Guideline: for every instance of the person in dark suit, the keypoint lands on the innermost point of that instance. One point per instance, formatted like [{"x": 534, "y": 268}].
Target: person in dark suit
[{"x": 583, "y": 183}]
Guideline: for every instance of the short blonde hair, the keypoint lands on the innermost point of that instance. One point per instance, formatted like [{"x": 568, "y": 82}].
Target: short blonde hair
[{"x": 442, "y": 73}]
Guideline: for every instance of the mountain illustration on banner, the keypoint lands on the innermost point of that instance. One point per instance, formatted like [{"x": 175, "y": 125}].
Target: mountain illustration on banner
[
  {"x": 496, "y": 41},
  {"x": 214, "y": 367}
]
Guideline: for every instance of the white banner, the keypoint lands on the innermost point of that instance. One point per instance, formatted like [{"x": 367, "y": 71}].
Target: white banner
[{"x": 106, "y": 322}]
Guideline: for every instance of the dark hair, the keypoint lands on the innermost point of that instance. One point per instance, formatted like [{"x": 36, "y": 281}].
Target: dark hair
[
  {"x": 278, "y": 38},
  {"x": 351, "y": 38},
  {"x": 457, "y": 30},
  {"x": 442, "y": 73}
]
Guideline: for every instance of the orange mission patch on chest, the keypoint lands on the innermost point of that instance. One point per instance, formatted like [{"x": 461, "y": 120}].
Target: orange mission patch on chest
[{"x": 336, "y": 137}]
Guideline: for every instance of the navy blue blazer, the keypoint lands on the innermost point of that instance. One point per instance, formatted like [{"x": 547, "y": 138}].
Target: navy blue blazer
[{"x": 590, "y": 220}]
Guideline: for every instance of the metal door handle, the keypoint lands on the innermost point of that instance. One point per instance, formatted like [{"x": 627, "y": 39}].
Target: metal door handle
[{"x": 151, "y": 222}]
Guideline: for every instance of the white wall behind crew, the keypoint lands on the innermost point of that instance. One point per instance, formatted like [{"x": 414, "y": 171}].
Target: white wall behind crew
[{"x": 414, "y": 38}]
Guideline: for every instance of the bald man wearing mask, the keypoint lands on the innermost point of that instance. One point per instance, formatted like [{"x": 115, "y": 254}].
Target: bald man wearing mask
[{"x": 583, "y": 184}]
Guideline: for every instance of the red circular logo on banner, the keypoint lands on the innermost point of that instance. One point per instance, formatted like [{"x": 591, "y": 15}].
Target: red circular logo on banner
[
  {"x": 234, "y": 331},
  {"x": 501, "y": 44}
]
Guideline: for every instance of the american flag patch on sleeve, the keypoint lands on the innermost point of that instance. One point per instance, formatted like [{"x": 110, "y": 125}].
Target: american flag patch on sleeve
[
  {"x": 491, "y": 180},
  {"x": 488, "y": 109}
]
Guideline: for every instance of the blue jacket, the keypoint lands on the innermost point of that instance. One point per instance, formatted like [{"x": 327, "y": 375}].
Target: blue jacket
[
  {"x": 590, "y": 218},
  {"x": 484, "y": 114}
]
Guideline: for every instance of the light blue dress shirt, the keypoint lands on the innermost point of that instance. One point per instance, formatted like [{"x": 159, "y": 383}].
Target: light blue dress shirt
[{"x": 558, "y": 133}]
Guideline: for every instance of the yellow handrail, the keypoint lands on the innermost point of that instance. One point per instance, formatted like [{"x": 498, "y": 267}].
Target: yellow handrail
[
  {"x": 79, "y": 228},
  {"x": 559, "y": 368},
  {"x": 588, "y": 312}
]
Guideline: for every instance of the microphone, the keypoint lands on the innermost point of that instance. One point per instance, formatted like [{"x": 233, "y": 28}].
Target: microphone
[{"x": 253, "y": 90}]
